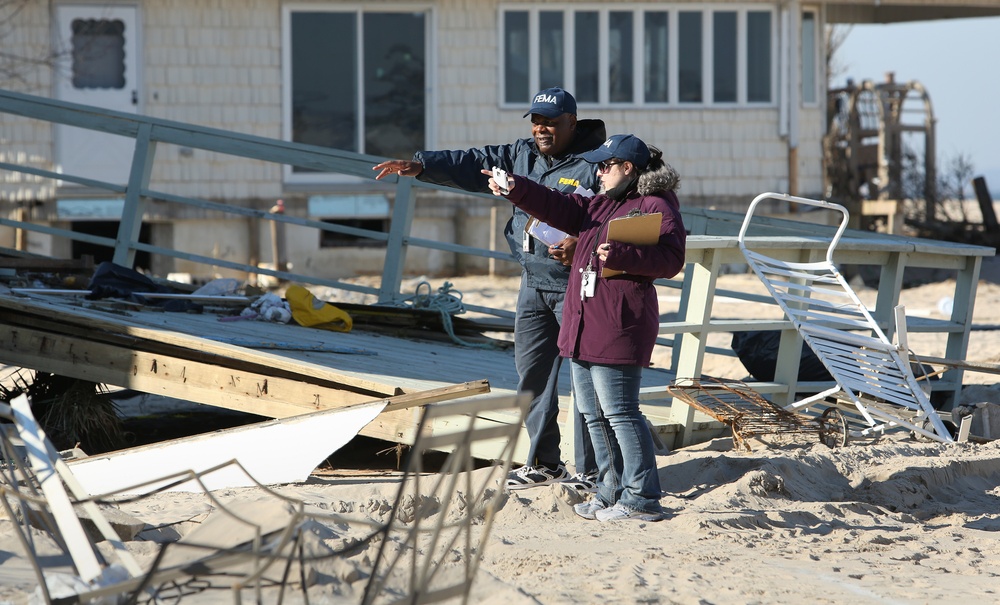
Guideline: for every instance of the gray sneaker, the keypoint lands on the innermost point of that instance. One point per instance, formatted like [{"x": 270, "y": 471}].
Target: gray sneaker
[
  {"x": 534, "y": 476},
  {"x": 618, "y": 512},
  {"x": 590, "y": 508}
]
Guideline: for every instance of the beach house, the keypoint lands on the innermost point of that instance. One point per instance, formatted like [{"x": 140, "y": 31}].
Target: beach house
[{"x": 733, "y": 91}]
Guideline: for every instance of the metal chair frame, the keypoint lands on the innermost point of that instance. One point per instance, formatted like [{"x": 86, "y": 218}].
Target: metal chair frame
[
  {"x": 876, "y": 386},
  {"x": 38, "y": 491}
]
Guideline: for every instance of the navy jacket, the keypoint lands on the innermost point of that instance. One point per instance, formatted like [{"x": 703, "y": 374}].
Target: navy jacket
[
  {"x": 619, "y": 324},
  {"x": 461, "y": 169}
]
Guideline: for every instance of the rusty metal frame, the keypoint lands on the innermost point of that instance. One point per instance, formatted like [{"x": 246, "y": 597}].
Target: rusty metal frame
[{"x": 744, "y": 410}]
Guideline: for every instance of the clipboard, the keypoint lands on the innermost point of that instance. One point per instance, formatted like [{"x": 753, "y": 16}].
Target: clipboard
[{"x": 641, "y": 230}]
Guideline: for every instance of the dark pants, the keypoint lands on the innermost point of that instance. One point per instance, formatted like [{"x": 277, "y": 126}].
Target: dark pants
[{"x": 536, "y": 356}]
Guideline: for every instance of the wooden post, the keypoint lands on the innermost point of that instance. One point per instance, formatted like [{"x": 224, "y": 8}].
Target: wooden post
[
  {"x": 493, "y": 240},
  {"x": 461, "y": 226},
  {"x": 253, "y": 243},
  {"x": 20, "y": 235},
  {"x": 278, "y": 238},
  {"x": 793, "y": 171},
  {"x": 986, "y": 205}
]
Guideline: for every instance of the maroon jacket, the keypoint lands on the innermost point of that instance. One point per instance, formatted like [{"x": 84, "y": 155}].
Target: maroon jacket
[{"x": 620, "y": 323}]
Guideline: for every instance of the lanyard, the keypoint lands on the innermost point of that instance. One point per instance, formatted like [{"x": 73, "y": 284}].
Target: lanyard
[{"x": 597, "y": 239}]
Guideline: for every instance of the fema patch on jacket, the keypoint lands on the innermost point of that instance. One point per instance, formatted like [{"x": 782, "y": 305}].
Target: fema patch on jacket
[{"x": 570, "y": 182}]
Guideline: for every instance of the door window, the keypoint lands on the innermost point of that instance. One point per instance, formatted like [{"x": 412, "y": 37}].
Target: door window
[{"x": 98, "y": 53}]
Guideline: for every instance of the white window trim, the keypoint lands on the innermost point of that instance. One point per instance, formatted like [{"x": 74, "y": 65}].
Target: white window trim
[
  {"x": 639, "y": 74},
  {"x": 673, "y": 62},
  {"x": 638, "y": 44},
  {"x": 292, "y": 178}
]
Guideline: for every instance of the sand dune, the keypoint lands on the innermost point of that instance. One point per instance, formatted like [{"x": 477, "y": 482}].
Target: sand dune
[{"x": 888, "y": 520}]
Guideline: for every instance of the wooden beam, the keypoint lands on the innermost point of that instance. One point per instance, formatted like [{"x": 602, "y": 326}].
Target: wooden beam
[
  {"x": 986, "y": 205},
  {"x": 398, "y": 421},
  {"x": 39, "y": 452},
  {"x": 975, "y": 366},
  {"x": 447, "y": 393},
  {"x": 85, "y": 263},
  {"x": 255, "y": 393},
  {"x": 213, "y": 298}
]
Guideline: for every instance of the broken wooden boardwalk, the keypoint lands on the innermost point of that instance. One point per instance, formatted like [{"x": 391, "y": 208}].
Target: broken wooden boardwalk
[
  {"x": 188, "y": 356},
  {"x": 192, "y": 357}
]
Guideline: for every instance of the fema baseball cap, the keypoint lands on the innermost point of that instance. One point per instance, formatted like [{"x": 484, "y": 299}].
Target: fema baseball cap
[
  {"x": 622, "y": 146},
  {"x": 552, "y": 103}
]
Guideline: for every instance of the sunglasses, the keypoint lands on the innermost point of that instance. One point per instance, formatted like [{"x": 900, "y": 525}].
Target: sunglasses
[{"x": 606, "y": 165}]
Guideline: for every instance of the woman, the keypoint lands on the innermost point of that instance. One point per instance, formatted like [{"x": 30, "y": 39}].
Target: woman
[{"x": 610, "y": 324}]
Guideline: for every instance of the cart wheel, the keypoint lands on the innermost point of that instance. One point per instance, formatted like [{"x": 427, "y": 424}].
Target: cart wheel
[
  {"x": 927, "y": 425},
  {"x": 833, "y": 428}
]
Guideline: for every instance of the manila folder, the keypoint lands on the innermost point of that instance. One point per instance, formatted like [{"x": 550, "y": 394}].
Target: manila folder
[{"x": 641, "y": 230}]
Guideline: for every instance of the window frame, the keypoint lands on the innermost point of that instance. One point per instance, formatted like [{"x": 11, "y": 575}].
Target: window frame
[
  {"x": 359, "y": 9},
  {"x": 639, "y": 12}
]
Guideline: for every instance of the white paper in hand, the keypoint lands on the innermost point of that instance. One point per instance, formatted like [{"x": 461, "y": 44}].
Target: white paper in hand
[
  {"x": 547, "y": 234},
  {"x": 500, "y": 178}
]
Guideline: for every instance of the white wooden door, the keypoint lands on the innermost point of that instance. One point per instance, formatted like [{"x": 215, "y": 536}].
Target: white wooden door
[{"x": 98, "y": 65}]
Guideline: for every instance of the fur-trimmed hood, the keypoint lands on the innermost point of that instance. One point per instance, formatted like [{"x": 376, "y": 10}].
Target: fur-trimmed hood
[{"x": 654, "y": 181}]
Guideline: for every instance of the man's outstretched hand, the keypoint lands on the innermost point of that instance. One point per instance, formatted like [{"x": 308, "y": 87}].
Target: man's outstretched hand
[
  {"x": 564, "y": 250},
  {"x": 400, "y": 167}
]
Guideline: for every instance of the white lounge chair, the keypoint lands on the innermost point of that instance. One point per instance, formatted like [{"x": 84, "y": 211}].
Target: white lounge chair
[
  {"x": 876, "y": 388},
  {"x": 250, "y": 546}
]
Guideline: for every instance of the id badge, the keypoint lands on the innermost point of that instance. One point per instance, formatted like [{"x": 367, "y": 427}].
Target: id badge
[
  {"x": 587, "y": 283},
  {"x": 526, "y": 242}
]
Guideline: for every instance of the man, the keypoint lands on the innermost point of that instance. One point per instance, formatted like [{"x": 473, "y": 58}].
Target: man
[{"x": 552, "y": 158}]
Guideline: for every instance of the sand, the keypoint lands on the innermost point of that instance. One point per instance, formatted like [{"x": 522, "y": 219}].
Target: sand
[{"x": 887, "y": 520}]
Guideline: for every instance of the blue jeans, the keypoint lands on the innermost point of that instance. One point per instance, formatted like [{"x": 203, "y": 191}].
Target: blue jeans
[
  {"x": 608, "y": 396},
  {"x": 536, "y": 357}
]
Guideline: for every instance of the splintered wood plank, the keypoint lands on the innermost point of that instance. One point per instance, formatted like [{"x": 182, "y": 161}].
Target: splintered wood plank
[
  {"x": 986, "y": 367},
  {"x": 43, "y": 462},
  {"x": 398, "y": 421},
  {"x": 454, "y": 391},
  {"x": 185, "y": 379},
  {"x": 279, "y": 462}
]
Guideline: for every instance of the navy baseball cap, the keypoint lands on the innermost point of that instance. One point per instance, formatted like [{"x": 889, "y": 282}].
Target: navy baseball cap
[
  {"x": 552, "y": 103},
  {"x": 626, "y": 147}
]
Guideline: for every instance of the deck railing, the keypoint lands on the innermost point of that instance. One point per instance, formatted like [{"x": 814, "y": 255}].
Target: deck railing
[{"x": 711, "y": 246}]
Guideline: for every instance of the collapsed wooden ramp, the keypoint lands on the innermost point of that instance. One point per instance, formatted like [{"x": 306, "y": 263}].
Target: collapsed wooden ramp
[{"x": 275, "y": 370}]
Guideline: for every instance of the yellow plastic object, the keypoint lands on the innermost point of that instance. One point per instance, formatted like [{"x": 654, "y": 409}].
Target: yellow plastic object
[{"x": 309, "y": 311}]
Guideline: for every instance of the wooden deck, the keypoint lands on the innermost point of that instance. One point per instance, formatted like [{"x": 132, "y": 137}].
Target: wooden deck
[{"x": 269, "y": 369}]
